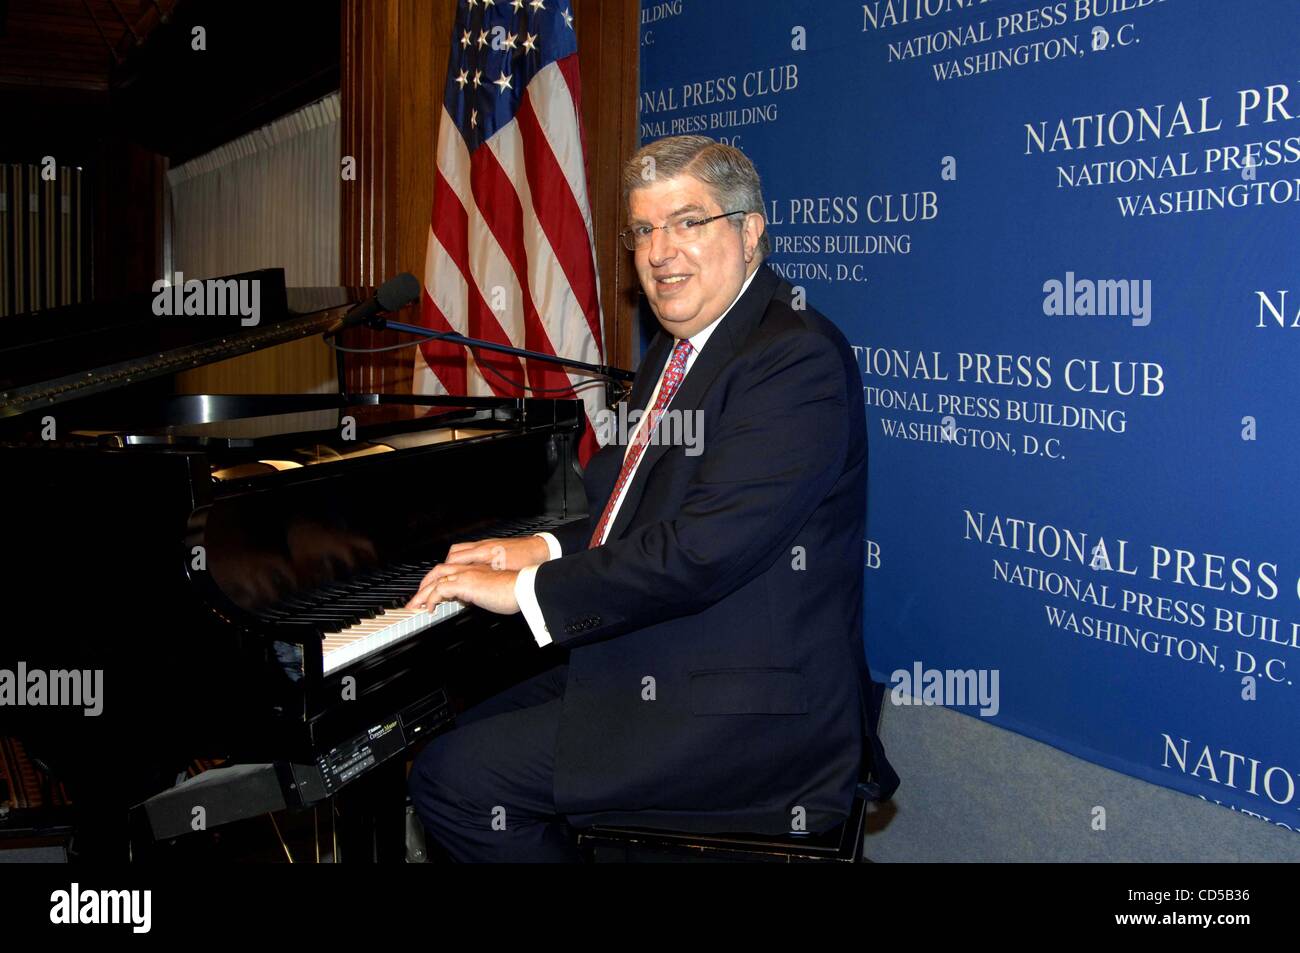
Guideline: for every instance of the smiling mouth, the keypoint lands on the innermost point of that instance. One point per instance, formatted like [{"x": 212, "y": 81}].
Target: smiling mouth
[{"x": 671, "y": 281}]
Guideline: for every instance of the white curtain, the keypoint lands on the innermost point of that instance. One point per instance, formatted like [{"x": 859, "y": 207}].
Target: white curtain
[{"x": 269, "y": 199}]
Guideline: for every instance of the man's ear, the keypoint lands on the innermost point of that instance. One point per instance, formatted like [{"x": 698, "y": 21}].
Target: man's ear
[{"x": 755, "y": 225}]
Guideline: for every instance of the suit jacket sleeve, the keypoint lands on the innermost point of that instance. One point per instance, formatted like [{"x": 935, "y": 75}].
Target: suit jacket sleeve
[{"x": 776, "y": 451}]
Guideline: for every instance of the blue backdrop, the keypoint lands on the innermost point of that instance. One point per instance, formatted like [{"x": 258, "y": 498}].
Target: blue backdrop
[{"x": 1062, "y": 238}]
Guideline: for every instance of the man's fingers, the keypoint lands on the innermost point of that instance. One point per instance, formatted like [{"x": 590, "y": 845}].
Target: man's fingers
[
  {"x": 438, "y": 572},
  {"x": 489, "y": 553},
  {"x": 430, "y": 577},
  {"x": 442, "y": 571},
  {"x": 443, "y": 590},
  {"x": 428, "y": 585},
  {"x": 471, "y": 545},
  {"x": 472, "y": 556},
  {"x": 488, "y": 589},
  {"x": 420, "y": 598}
]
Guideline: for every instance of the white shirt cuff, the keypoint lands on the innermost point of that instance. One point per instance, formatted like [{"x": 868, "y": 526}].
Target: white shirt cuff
[
  {"x": 527, "y": 600},
  {"x": 552, "y": 544}
]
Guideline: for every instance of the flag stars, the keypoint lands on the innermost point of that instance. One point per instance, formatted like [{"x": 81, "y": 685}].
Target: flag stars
[
  {"x": 537, "y": 5},
  {"x": 473, "y": 118},
  {"x": 568, "y": 19},
  {"x": 509, "y": 42},
  {"x": 482, "y": 39},
  {"x": 503, "y": 82},
  {"x": 463, "y": 78},
  {"x": 530, "y": 42},
  {"x": 464, "y": 39},
  {"x": 516, "y": 5},
  {"x": 478, "y": 78}
]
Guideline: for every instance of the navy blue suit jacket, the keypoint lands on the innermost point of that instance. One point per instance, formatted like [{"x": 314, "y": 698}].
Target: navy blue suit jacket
[{"x": 716, "y": 678}]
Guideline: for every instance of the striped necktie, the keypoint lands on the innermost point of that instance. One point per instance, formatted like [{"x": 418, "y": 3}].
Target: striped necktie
[{"x": 673, "y": 375}]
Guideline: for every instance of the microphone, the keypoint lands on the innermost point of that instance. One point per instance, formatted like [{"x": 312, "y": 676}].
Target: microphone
[{"x": 393, "y": 295}]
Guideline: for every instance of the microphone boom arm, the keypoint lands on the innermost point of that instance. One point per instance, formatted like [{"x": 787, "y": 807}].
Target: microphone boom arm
[{"x": 600, "y": 370}]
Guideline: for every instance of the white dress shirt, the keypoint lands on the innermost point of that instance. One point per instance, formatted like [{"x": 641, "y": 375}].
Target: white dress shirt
[{"x": 525, "y": 594}]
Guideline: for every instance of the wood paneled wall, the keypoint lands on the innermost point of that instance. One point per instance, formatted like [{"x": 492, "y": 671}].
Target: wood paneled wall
[
  {"x": 128, "y": 229},
  {"x": 394, "y": 65},
  {"x": 609, "y": 53}
]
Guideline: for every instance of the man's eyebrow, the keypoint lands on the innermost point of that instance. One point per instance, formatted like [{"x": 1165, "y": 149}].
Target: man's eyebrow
[{"x": 684, "y": 210}]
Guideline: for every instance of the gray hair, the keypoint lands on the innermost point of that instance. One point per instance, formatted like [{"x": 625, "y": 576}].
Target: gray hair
[{"x": 724, "y": 169}]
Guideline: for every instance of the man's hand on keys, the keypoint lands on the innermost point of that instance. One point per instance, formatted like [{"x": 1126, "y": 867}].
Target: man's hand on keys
[
  {"x": 490, "y": 589},
  {"x": 481, "y": 573},
  {"x": 514, "y": 552}
]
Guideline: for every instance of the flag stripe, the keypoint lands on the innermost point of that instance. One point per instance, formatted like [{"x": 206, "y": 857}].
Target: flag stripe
[
  {"x": 560, "y": 117},
  {"x": 471, "y": 246},
  {"x": 504, "y": 216},
  {"x": 562, "y": 329},
  {"x": 559, "y": 212}
]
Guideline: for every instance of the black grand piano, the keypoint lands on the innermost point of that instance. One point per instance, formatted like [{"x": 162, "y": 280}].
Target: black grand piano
[{"x": 234, "y": 567}]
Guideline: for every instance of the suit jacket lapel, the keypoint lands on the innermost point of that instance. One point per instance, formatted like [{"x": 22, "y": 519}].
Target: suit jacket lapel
[
  {"x": 722, "y": 346},
  {"x": 652, "y": 365}
]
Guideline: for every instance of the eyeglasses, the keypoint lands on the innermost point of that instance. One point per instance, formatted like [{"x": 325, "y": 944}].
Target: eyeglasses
[{"x": 684, "y": 230}]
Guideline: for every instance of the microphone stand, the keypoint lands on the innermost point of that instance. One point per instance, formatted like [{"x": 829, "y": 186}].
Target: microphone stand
[
  {"x": 607, "y": 371},
  {"x": 600, "y": 370}
]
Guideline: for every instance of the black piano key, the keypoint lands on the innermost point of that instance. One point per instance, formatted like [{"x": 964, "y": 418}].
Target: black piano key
[
  {"x": 318, "y": 620},
  {"x": 366, "y": 608},
  {"x": 343, "y": 617},
  {"x": 366, "y": 596}
]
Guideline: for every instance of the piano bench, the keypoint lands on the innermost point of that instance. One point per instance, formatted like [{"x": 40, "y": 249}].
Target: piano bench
[{"x": 644, "y": 845}]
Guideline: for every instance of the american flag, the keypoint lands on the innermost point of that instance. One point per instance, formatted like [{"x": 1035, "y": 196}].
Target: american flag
[{"x": 511, "y": 257}]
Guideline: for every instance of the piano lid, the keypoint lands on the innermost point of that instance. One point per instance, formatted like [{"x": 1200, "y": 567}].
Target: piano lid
[
  {"x": 53, "y": 356},
  {"x": 297, "y": 430},
  {"x": 274, "y": 421}
]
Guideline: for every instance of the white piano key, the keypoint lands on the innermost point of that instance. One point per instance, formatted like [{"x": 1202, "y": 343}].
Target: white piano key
[{"x": 358, "y": 641}]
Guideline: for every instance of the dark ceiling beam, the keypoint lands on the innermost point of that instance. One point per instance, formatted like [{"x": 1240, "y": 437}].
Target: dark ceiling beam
[
  {"x": 127, "y": 23},
  {"x": 153, "y": 17},
  {"x": 19, "y": 81},
  {"x": 98, "y": 26}
]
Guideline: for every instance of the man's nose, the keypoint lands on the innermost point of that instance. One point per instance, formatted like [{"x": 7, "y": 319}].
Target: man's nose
[{"x": 662, "y": 248}]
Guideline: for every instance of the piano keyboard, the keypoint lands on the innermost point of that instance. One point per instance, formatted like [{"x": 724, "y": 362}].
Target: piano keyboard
[
  {"x": 357, "y": 641},
  {"x": 365, "y": 613}
]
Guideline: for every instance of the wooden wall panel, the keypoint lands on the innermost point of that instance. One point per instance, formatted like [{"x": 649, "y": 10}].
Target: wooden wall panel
[
  {"x": 608, "y": 51},
  {"x": 306, "y": 366},
  {"x": 128, "y": 228},
  {"x": 394, "y": 64}
]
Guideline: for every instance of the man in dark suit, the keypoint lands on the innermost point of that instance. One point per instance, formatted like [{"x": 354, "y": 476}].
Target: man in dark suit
[{"x": 711, "y": 601}]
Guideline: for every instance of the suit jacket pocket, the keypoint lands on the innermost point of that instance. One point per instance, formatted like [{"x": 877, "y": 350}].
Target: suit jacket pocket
[{"x": 748, "y": 691}]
